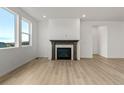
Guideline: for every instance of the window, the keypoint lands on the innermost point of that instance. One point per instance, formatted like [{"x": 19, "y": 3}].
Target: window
[
  {"x": 26, "y": 32},
  {"x": 10, "y": 33},
  {"x": 7, "y": 28}
]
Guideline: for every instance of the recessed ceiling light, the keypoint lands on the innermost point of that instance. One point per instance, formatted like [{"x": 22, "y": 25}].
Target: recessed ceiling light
[
  {"x": 44, "y": 16},
  {"x": 83, "y": 15}
]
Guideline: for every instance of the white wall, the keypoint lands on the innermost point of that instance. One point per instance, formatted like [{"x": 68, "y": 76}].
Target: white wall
[
  {"x": 15, "y": 57},
  {"x": 86, "y": 40},
  {"x": 95, "y": 39},
  {"x": 57, "y": 29},
  {"x": 116, "y": 40},
  {"x": 43, "y": 39},
  {"x": 103, "y": 41},
  {"x": 64, "y": 29},
  {"x": 115, "y": 47}
]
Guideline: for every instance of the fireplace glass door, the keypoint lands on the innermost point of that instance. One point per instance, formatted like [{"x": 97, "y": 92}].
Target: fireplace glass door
[{"x": 64, "y": 53}]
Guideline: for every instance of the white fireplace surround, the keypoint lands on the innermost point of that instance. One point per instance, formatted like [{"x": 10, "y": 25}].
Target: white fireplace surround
[{"x": 64, "y": 46}]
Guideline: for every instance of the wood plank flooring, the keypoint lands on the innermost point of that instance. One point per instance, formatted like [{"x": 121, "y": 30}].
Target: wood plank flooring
[{"x": 86, "y": 71}]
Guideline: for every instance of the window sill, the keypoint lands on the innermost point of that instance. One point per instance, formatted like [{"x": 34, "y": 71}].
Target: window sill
[
  {"x": 23, "y": 46},
  {"x": 6, "y": 48}
]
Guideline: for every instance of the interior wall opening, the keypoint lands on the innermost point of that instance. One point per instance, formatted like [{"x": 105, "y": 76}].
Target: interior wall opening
[{"x": 100, "y": 40}]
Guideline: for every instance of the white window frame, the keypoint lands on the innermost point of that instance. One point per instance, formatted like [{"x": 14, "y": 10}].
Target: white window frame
[
  {"x": 18, "y": 30},
  {"x": 16, "y": 42},
  {"x": 29, "y": 34}
]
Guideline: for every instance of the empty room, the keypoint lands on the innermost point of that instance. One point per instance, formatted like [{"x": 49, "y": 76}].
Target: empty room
[{"x": 61, "y": 45}]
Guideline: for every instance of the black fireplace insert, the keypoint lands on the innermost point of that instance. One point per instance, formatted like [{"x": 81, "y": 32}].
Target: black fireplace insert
[{"x": 64, "y": 53}]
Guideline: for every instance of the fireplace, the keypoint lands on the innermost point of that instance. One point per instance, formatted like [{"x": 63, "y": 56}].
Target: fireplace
[
  {"x": 63, "y": 44},
  {"x": 63, "y": 53}
]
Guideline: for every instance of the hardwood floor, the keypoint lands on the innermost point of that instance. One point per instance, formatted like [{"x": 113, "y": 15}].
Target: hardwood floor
[{"x": 86, "y": 71}]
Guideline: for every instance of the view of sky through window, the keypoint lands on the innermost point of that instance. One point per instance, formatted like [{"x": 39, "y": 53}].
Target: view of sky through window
[
  {"x": 25, "y": 31},
  {"x": 7, "y": 26}
]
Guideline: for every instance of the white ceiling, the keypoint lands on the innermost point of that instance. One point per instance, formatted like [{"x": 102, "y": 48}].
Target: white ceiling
[{"x": 93, "y": 13}]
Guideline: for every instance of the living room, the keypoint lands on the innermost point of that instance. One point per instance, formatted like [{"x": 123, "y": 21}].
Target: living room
[{"x": 64, "y": 45}]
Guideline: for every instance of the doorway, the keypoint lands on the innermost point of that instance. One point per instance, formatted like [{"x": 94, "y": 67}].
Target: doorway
[{"x": 100, "y": 40}]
